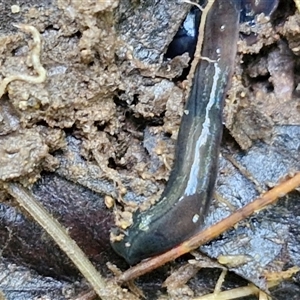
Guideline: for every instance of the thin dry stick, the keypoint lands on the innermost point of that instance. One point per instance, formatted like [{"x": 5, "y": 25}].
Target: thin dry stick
[
  {"x": 35, "y": 58},
  {"x": 60, "y": 236},
  {"x": 236, "y": 293},
  {"x": 220, "y": 282},
  {"x": 199, "y": 46},
  {"x": 213, "y": 231}
]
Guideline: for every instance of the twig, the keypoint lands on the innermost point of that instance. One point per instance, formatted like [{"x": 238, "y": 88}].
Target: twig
[
  {"x": 220, "y": 282},
  {"x": 213, "y": 231},
  {"x": 236, "y": 293},
  {"x": 244, "y": 172},
  {"x": 63, "y": 240},
  {"x": 199, "y": 46}
]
